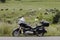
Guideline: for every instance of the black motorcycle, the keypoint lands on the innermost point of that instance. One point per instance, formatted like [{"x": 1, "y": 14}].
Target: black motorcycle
[{"x": 27, "y": 30}]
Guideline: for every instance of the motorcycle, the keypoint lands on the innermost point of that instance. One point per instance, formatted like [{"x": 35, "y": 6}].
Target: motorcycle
[{"x": 28, "y": 30}]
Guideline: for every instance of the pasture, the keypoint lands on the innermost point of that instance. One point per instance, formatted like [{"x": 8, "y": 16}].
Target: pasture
[{"x": 11, "y": 10}]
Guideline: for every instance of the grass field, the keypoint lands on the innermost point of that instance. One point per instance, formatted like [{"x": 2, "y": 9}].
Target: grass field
[{"x": 8, "y": 15}]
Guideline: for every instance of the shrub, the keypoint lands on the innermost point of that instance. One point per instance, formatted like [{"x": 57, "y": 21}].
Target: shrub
[
  {"x": 17, "y": 0},
  {"x": 3, "y": 1},
  {"x": 2, "y": 9},
  {"x": 56, "y": 18}
]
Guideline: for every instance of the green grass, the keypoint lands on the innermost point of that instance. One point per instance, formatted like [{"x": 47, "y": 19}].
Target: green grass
[
  {"x": 37, "y": 0},
  {"x": 6, "y": 29}
]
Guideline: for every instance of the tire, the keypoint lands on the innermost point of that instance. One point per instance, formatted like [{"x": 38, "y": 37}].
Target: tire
[
  {"x": 40, "y": 34},
  {"x": 16, "y": 32}
]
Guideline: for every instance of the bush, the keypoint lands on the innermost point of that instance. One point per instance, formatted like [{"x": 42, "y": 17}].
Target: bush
[
  {"x": 17, "y": 0},
  {"x": 56, "y": 18},
  {"x": 3, "y": 1}
]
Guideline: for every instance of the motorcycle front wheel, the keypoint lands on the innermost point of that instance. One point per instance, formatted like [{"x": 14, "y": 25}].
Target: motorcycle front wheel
[{"x": 16, "y": 32}]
